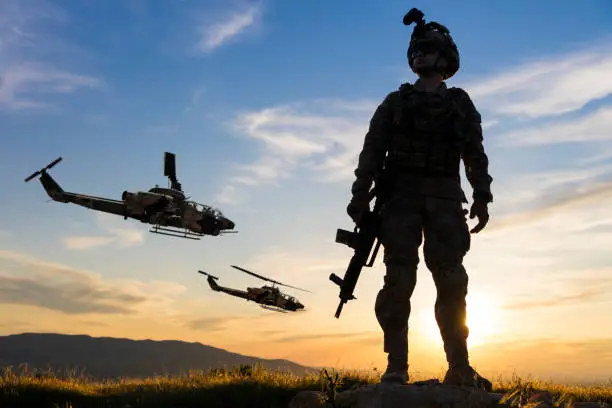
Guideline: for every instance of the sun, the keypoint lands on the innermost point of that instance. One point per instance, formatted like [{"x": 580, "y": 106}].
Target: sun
[{"x": 483, "y": 320}]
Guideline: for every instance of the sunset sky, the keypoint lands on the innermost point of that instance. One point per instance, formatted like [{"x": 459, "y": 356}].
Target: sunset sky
[{"x": 266, "y": 104}]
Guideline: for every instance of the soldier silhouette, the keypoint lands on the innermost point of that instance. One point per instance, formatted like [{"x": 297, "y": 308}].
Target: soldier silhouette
[{"x": 417, "y": 137}]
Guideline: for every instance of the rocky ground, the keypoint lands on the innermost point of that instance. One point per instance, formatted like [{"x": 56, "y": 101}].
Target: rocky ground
[{"x": 430, "y": 394}]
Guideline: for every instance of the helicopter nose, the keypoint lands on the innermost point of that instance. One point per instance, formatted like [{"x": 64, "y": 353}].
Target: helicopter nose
[{"x": 229, "y": 224}]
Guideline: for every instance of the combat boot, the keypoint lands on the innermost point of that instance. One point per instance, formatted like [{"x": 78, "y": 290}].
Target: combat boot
[
  {"x": 397, "y": 371},
  {"x": 465, "y": 376}
]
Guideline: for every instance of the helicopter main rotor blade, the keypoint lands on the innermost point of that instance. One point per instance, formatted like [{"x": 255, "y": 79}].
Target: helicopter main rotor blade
[
  {"x": 254, "y": 274},
  {"x": 267, "y": 279},
  {"x": 295, "y": 287}
]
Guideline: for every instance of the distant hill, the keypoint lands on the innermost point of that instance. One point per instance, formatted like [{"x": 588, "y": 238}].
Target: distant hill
[{"x": 107, "y": 357}]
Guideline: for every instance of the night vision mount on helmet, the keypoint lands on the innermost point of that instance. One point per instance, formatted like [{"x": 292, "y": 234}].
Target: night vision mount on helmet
[{"x": 432, "y": 34}]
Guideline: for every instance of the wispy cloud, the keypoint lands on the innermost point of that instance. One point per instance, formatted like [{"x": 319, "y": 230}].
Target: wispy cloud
[
  {"x": 568, "y": 200},
  {"x": 229, "y": 26},
  {"x": 592, "y": 127},
  {"x": 220, "y": 323},
  {"x": 228, "y": 195},
  {"x": 325, "y": 336},
  {"x": 281, "y": 263},
  {"x": 323, "y": 135},
  {"x": 26, "y": 280},
  {"x": 208, "y": 324},
  {"x": 118, "y": 233},
  {"x": 548, "y": 86},
  {"x": 86, "y": 242},
  {"x": 195, "y": 98},
  {"x": 26, "y": 45},
  {"x": 538, "y": 191},
  {"x": 571, "y": 288},
  {"x": 587, "y": 295},
  {"x": 23, "y": 79},
  {"x": 601, "y": 156}
]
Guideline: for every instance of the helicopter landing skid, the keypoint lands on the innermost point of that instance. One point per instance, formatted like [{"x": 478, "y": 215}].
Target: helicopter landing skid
[{"x": 173, "y": 232}]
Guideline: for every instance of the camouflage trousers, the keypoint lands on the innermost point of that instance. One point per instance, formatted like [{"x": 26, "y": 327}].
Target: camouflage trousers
[{"x": 442, "y": 224}]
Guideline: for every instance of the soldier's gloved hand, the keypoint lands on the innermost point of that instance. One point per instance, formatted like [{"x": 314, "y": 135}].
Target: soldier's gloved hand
[
  {"x": 480, "y": 210},
  {"x": 358, "y": 206}
]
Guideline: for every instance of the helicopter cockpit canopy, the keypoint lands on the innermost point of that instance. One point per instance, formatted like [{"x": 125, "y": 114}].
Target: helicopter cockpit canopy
[{"x": 205, "y": 209}]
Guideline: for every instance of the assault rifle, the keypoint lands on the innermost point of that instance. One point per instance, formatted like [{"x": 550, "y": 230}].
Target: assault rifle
[{"x": 361, "y": 240}]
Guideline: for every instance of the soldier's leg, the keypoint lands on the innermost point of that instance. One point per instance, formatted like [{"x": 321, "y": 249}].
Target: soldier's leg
[
  {"x": 447, "y": 240},
  {"x": 401, "y": 236}
]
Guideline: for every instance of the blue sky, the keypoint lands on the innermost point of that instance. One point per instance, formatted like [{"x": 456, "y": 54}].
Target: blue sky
[{"x": 265, "y": 104}]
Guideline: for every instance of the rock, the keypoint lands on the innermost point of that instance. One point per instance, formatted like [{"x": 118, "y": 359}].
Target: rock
[
  {"x": 308, "y": 399},
  {"x": 424, "y": 394}
]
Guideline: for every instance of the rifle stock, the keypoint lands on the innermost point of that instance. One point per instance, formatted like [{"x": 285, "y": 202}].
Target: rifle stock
[{"x": 361, "y": 239}]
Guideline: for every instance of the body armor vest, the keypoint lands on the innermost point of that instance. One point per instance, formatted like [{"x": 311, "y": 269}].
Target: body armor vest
[
  {"x": 426, "y": 139},
  {"x": 426, "y": 142}
]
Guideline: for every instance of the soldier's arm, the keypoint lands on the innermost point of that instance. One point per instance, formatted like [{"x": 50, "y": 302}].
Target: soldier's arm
[
  {"x": 375, "y": 146},
  {"x": 474, "y": 157}
]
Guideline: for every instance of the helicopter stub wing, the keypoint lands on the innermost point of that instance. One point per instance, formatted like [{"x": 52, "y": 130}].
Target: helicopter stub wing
[{"x": 273, "y": 308}]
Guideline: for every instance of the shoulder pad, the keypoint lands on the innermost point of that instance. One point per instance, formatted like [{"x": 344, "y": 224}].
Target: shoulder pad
[
  {"x": 407, "y": 86},
  {"x": 460, "y": 95},
  {"x": 455, "y": 91}
]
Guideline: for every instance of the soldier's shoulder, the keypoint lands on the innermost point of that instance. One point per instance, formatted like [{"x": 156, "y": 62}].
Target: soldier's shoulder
[
  {"x": 396, "y": 93},
  {"x": 459, "y": 93},
  {"x": 390, "y": 98},
  {"x": 462, "y": 98},
  {"x": 404, "y": 88}
]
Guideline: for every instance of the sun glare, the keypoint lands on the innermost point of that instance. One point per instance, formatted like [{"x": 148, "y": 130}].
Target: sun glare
[{"x": 482, "y": 320}]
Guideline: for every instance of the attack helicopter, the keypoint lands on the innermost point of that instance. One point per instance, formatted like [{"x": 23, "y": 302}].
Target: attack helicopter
[
  {"x": 268, "y": 297},
  {"x": 167, "y": 209}
]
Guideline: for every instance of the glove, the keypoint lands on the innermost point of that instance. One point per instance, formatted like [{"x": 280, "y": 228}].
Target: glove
[
  {"x": 479, "y": 209},
  {"x": 358, "y": 206}
]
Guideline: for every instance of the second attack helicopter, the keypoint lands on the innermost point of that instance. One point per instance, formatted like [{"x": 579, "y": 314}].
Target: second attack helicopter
[
  {"x": 167, "y": 209},
  {"x": 268, "y": 297}
]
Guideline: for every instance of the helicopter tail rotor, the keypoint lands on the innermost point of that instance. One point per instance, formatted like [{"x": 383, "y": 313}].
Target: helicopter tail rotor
[
  {"x": 208, "y": 274},
  {"x": 43, "y": 170}
]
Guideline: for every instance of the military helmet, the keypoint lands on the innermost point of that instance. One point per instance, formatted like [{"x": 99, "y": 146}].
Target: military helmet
[{"x": 435, "y": 35}]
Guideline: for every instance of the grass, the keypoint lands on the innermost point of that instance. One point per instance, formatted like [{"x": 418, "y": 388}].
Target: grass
[{"x": 244, "y": 386}]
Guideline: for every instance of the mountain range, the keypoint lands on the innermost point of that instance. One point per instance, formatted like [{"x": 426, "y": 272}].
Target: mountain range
[{"x": 108, "y": 357}]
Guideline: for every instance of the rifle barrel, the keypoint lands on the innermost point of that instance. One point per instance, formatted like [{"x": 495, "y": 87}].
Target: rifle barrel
[{"x": 339, "y": 309}]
